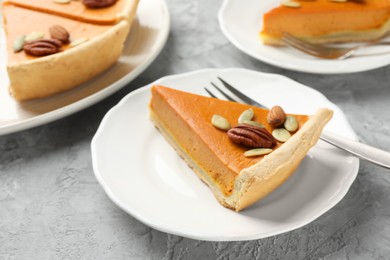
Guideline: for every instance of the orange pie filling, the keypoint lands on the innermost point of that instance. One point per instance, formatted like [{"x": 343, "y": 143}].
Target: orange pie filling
[
  {"x": 185, "y": 120},
  {"x": 76, "y": 10},
  {"x": 324, "y": 21},
  {"x": 21, "y": 21}
]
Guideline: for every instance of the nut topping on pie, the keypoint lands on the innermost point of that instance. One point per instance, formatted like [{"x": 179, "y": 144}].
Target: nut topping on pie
[
  {"x": 33, "y": 69},
  {"x": 276, "y": 116},
  {"x": 42, "y": 47},
  {"x": 236, "y": 176},
  {"x": 98, "y": 3},
  {"x": 60, "y": 33},
  {"x": 252, "y": 136},
  {"x": 18, "y": 43}
]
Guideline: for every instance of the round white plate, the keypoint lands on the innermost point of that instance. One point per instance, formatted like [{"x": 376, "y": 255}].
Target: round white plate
[
  {"x": 144, "y": 176},
  {"x": 241, "y": 22},
  {"x": 147, "y": 37}
]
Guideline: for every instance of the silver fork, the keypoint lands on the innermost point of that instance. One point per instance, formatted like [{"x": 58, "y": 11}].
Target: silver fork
[
  {"x": 363, "y": 151},
  {"x": 324, "y": 51}
]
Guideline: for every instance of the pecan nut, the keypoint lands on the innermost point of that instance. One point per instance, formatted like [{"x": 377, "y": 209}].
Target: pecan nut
[
  {"x": 276, "y": 116},
  {"x": 42, "y": 47},
  {"x": 59, "y": 33},
  {"x": 252, "y": 136},
  {"x": 98, "y": 3}
]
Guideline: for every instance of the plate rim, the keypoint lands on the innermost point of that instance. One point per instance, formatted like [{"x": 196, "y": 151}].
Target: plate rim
[
  {"x": 98, "y": 96},
  {"x": 290, "y": 65},
  {"x": 334, "y": 200}
]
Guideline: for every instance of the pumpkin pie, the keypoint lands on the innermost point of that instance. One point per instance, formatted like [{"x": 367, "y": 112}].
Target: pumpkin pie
[
  {"x": 326, "y": 21},
  {"x": 237, "y": 181},
  {"x": 82, "y": 56},
  {"x": 76, "y": 10}
]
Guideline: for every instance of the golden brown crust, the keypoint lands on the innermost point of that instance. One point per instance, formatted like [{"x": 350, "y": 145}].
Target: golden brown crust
[
  {"x": 48, "y": 75},
  {"x": 129, "y": 11},
  {"x": 262, "y": 178}
]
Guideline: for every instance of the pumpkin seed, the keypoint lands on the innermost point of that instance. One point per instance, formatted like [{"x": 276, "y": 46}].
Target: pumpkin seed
[
  {"x": 253, "y": 123},
  {"x": 61, "y": 1},
  {"x": 220, "y": 122},
  {"x": 246, "y": 115},
  {"x": 257, "y": 152},
  {"x": 19, "y": 43},
  {"x": 291, "y": 4},
  {"x": 281, "y": 134},
  {"x": 34, "y": 36},
  {"x": 291, "y": 124},
  {"x": 78, "y": 42}
]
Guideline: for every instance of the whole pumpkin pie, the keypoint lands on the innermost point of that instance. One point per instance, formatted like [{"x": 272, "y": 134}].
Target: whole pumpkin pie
[
  {"x": 327, "y": 21},
  {"x": 236, "y": 178},
  {"x": 62, "y": 52}
]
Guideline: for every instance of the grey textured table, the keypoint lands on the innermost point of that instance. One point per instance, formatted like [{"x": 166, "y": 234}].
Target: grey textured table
[{"x": 51, "y": 206}]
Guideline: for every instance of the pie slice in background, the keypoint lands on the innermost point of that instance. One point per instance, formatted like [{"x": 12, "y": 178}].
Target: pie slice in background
[
  {"x": 93, "y": 46},
  {"x": 326, "y": 21}
]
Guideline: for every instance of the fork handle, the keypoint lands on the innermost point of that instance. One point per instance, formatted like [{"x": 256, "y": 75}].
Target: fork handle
[{"x": 363, "y": 151}]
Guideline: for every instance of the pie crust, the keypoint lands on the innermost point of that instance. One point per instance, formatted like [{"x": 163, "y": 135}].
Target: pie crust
[{"x": 45, "y": 76}]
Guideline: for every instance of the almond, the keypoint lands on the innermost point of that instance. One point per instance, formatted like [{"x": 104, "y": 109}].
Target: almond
[
  {"x": 59, "y": 33},
  {"x": 276, "y": 116}
]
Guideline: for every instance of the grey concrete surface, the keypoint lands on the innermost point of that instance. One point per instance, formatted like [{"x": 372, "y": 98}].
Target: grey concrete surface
[{"x": 51, "y": 206}]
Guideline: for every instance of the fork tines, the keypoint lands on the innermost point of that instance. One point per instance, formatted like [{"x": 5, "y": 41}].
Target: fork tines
[
  {"x": 310, "y": 48},
  {"x": 300, "y": 45},
  {"x": 234, "y": 91}
]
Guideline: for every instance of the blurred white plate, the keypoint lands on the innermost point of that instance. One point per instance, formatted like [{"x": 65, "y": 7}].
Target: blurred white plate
[
  {"x": 241, "y": 22},
  {"x": 145, "y": 41},
  {"x": 145, "y": 177}
]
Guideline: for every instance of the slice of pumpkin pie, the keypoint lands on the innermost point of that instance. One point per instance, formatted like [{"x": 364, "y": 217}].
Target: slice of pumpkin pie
[
  {"x": 42, "y": 66},
  {"x": 327, "y": 21},
  {"x": 240, "y": 162},
  {"x": 54, "y": 46}
]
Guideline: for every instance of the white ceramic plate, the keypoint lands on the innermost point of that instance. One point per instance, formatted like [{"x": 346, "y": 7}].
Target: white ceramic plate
[
  {"x": 144, "y": 176},
  {"x": 146, "y": 39},
  {"x": 241, "y": 22}
]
